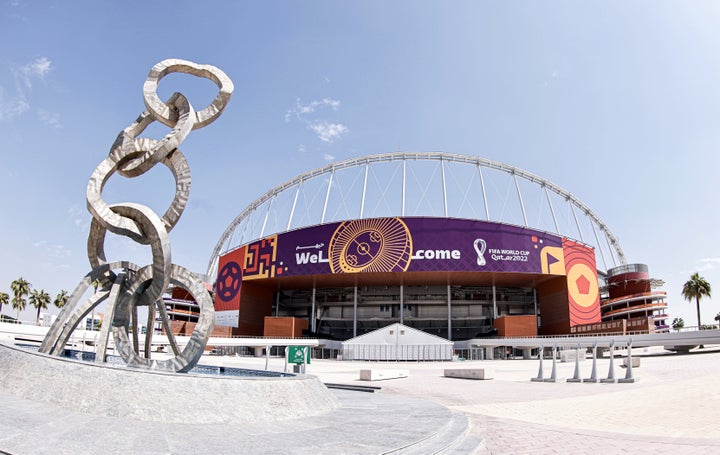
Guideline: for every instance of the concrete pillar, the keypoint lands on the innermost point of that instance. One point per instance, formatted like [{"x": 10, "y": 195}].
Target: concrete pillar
[
  {"x": 402, "y": 305},
  {"x": 494, "y": 303},
  {"x": 312, "y": 312},
  {"x": 537, "y": 319},
  {"x": 355, "y": 302},
  {"x": 259, "y": 351},
  {"x": 449, "y": 308},
  {"x": 489, "y": 353},
  {"x": 527, "y": 353}
]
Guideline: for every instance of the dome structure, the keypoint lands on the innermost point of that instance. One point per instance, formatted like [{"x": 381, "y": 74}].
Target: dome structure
[
  {"x": 432, "y": 184},
  {"x": 455, "y": 246}
]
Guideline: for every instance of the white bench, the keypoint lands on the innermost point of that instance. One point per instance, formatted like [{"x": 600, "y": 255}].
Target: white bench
[
  {"x": 470, "y": 373},
  {"x": 378, "y": 375}
]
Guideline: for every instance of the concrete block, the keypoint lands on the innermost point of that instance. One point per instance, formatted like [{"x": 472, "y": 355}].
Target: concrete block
[
  {"x": 470, "y": 373},
  {"x": 379, "y": 375},
  {"x": 568, "y": 355},
  {"x": 635, "y": 362}
]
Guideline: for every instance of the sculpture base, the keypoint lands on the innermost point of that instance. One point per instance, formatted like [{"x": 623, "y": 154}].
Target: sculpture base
[{"x": 125, "y": 392}]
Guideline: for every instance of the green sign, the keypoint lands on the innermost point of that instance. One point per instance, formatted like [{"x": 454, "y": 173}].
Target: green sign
[{"x": 295, "y": 354}]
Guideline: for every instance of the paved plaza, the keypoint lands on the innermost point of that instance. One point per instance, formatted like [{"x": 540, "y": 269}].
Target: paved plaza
[{"x": 672, "y": 408}]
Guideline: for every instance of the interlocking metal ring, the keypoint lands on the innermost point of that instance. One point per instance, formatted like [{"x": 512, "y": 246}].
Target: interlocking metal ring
[
  {"x": 194, "y": 348},
  {"x": 116, "y": 223},
  {"x": 123, "y": 292},
  {"x": 162, "y": 111},
  {"x": 154, "y": 151},
  {"x": 152, "y": 227}
]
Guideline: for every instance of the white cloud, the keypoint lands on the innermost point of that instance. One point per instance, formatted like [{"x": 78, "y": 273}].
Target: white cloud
[
  {"x": 38, "y": 68},
  {"x": 301, "y": 110},
  {"x": 328, "y": 132},
  {"x": 53, "y": 251},
  {"x": 708, "y": 264},
  {"x": 80, "y": 218},
  {"x": 11, "y": 107},
  {"x": 301, "y": 148},
  {"x": 328, "y": 157},
  {"x": 48, "y": 119},
  {"x": 305, "y": 112}
]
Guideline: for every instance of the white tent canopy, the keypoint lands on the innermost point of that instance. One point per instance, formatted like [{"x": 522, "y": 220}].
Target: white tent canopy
[{"x": 397, "y": 342}]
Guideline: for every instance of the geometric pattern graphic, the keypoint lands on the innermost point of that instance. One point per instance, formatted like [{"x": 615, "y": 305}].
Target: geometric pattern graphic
[
  {"x": 552, "y": 260},
  {"x": 370, "y": 245},
  {"x": 260, "y": 259},
  {"x": 229, "y": 281},
  {"x": 582, "y": 282}
]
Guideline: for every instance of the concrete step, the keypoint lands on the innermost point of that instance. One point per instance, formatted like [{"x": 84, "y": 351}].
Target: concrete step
[{"x": 449, "y": 439}]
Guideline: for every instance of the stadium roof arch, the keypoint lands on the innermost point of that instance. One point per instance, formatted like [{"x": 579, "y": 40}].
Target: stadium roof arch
[{"x": 432, "y": 184}]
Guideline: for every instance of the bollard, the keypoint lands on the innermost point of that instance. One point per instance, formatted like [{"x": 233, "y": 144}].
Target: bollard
[
  {"x": 629, "y": 372},
  {"x": 540, "y": 377},
  {"x": 553, "y": 374},
  {"x": 576, "y": 376},
  {"x": 593, "y": 374},
  {"x": 611, "y": 371}
]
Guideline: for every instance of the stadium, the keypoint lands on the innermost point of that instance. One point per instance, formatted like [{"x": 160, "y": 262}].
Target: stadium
[{"x": 455, "y": 246}]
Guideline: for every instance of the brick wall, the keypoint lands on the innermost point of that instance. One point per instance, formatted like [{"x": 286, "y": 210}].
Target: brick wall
[
  {"x": 284, "y": 327},
  {"x": 516, "y": 326},
  {"x": 554, "y": 307}
]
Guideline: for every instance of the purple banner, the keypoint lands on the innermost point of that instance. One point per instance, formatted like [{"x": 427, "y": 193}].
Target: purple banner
[{"x": 403, "y": 244}]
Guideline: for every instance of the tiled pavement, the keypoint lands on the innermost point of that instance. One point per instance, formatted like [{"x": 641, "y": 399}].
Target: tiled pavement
[{"x": 673, "y": 408}]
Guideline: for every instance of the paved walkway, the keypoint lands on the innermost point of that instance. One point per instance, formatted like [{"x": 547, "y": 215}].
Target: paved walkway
[
  {"x": 672, "y": 408},
  {"x": 365, "y": 424}
]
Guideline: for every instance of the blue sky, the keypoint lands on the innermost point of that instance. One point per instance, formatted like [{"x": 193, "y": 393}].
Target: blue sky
[{"x": 617, "y": 102}]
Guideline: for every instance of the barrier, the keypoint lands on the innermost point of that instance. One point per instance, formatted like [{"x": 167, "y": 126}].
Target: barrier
[
  {"x": 540, "y": 377},
  {"x": 553, "y": 373},
  {"x": 593, "y": 374},
  {"x": 611, "y": 369},
  {"x": 628, "y": 362},
  {"x": 576, "y": 375}
]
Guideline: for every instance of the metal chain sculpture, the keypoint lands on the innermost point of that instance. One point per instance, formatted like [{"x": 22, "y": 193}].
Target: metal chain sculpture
[{"x": 124, "y": 286}]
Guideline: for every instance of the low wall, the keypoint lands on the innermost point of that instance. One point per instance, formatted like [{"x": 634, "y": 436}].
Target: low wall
[{"x": 155, "y": 396}]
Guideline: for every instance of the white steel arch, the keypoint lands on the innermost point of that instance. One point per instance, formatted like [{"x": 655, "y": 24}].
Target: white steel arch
[{"x": 382, "y": 180}]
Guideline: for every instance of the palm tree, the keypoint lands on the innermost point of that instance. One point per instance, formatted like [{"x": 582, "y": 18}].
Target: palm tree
[
  {"x": 4, "y": 299},
  {"x": 696, "y": 288},
  {"x": 20, "y": 289},
  {"x": 717, "y": 318},
  {"x": 678, "y": 323},
  {"x": 61, "y": 299},
  {"x": 40, "y": 300}
]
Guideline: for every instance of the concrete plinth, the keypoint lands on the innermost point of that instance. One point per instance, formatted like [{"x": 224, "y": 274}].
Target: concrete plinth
[
  {"x": 119, "y": 391},
  {"x": 379, "y": 375},
  {"x": 470, "y": 373}
]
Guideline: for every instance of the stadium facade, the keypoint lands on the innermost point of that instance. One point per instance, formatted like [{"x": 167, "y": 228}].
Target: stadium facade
[{"x": 447, "y": 244}]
